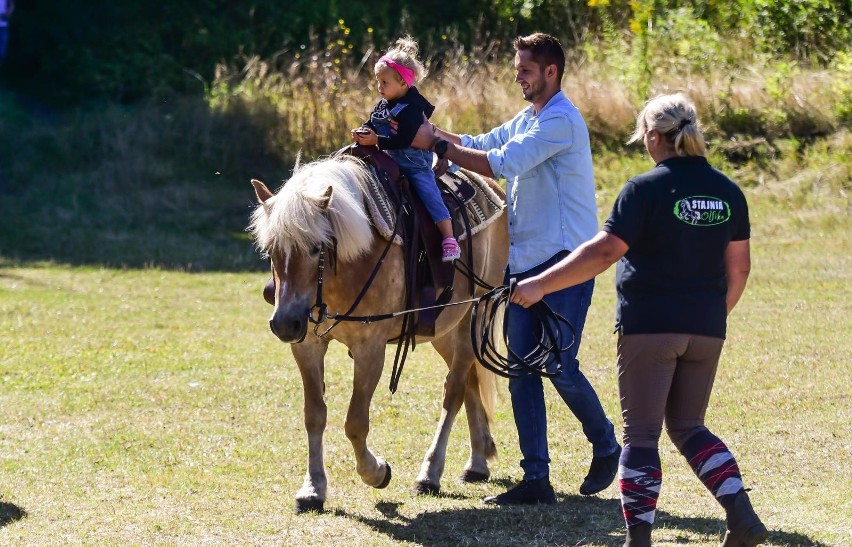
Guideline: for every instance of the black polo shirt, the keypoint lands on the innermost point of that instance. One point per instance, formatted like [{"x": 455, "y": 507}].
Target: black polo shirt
[{"x": 677, "y": 219}]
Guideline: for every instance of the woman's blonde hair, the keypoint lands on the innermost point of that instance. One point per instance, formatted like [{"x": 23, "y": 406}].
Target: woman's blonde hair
[
  {"x": 404, "y": 52},
  {"x": 674, "y": 117}
]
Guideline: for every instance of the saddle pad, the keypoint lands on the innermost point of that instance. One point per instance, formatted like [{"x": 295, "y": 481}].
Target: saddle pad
[{"x": 483, "y": 208}]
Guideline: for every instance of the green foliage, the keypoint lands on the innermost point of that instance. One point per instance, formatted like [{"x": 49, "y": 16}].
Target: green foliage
[
  {"x": 842, "y": 87},
  {"x": 130, "y": 50},
  {"x": 803, "y": 28},
  {"x": 127, "y": 51},
  {"x": 686, "y": 41},
  {"x": 662, "y": 43}
]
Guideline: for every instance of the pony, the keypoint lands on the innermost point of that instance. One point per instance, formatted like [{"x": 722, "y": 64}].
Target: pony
[{"x": 322, "y": 206}]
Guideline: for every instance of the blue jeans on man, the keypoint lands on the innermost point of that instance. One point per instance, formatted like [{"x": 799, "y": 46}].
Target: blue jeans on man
[{"x": 527, "y": 393}]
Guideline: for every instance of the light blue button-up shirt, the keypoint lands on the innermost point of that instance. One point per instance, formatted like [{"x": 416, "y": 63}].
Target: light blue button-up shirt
[{"x": 546, "y": 160}]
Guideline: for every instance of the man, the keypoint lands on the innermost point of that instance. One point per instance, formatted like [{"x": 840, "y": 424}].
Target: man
[{"x": 545, "y": 156}]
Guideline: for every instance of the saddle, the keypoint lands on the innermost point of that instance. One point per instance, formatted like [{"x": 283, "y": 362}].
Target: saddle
[{"x": 429, "y": 281}]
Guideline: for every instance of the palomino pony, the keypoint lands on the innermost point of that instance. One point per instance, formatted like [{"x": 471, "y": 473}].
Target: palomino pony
[{"x": 322, "y": 207}]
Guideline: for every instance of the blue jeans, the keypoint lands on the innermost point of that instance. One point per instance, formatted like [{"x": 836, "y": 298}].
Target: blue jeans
[
  {"x": 417, "y": 166},
  {"x": 527, "y": 391}
]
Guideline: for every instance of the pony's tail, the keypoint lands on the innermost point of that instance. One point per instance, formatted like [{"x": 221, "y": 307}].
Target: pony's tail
[
  {"x": 487, "y": 390},
  {"x": 487, "y": 381}
]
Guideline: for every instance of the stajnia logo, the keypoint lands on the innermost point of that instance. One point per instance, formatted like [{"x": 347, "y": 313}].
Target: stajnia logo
[{"x": 702, "y": 210}]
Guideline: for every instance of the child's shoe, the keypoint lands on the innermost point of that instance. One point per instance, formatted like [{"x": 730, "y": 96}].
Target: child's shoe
[{"x": 450, "y": 250}]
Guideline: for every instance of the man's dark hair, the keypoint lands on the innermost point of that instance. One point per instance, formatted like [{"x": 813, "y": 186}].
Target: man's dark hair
[{"x": 546, "y": 50}]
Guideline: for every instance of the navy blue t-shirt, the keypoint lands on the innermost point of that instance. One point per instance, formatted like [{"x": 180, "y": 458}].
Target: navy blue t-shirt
[
  {"x": 408, "y": 111},
  {"x": 677, "y": 219}
]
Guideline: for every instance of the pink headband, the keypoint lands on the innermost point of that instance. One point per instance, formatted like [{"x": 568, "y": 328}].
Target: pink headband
[{"x": 406, "y": 73}]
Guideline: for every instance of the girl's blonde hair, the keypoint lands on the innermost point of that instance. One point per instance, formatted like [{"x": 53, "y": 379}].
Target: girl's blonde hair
[
  {"x": 404, "y": 52},
  {"x": 674, "y": 117}
]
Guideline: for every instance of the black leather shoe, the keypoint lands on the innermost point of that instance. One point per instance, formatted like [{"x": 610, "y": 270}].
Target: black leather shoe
[
  {"x": 526, "y": 493},
  {"x": 601, "y": 473}
]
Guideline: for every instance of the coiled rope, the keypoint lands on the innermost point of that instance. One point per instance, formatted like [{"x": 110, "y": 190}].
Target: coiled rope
[{"x": 555, "y": 334}]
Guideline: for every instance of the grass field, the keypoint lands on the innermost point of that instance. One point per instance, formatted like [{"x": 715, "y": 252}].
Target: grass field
[{"x": 152, "y": 406}]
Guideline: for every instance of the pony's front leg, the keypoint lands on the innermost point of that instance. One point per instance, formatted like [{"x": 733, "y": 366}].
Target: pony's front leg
[
  {"x": 369, "y": 360},
  {"x": 310, "y": 356}
]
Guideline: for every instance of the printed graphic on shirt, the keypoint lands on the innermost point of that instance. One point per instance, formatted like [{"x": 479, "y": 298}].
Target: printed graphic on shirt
[{"x": 702, "y": 210}]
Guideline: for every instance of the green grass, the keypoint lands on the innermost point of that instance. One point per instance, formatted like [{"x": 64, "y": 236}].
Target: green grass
[{"x": 151, "y": 405}]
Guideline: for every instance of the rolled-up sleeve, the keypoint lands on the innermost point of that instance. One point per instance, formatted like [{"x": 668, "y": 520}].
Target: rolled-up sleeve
[{"x": 546, "y": 137}]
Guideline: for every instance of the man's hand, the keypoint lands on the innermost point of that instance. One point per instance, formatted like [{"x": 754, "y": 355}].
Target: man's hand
[{"x": 424, "y": 137}]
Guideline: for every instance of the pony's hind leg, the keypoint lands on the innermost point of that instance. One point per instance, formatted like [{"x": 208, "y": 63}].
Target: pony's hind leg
[
  {"x": 309, "y": 357},
  {"x": 369, "y": 360},
  {"x": 432, "y": 468},
  {"x": 479, "y": 403}
]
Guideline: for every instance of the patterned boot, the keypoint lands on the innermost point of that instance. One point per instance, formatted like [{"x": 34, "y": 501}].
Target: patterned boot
[
  {"x": 744, "y": 526},
  {"x": 639, "y": 481},
  {"x": 716, "y": 467}
]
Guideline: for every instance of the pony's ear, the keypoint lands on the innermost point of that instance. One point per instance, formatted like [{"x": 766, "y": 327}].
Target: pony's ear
[
  {"x": 325, "y": 199},
  {"x": 261, "y": 190}
]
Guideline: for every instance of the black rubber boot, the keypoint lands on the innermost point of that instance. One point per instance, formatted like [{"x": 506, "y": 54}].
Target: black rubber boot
[
  {"x": 744, "y": 526},
  {"x": 638, "y": 535}
]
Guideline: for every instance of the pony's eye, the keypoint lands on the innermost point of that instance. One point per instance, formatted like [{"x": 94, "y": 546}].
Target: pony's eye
[{"x": 315, "y": 250}]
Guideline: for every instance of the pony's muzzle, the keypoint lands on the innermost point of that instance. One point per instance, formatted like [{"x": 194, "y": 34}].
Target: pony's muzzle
[{"x": 288, "y": 327}]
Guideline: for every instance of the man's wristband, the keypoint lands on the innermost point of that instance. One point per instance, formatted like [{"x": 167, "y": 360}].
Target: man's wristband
[{"x": 440, "y": 148}]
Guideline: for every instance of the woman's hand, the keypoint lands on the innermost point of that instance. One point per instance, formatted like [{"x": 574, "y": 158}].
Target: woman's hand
[
  {"x": 365, "y": 136},
  {"x": 526, "y": 293}
]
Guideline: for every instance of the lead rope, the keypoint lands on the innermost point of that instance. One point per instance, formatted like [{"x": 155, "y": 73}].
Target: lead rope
[{"x": 488, "y": 310}]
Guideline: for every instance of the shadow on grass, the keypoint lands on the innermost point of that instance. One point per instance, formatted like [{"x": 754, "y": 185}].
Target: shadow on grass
[
  {"x": 574, "y": 520},
  {"x": 9, "y": 513}
]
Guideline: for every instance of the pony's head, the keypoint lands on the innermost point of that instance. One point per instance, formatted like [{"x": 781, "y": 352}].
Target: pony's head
[
  {"x": 321, "y": 204},
  {"x": 322, "y": 201}
]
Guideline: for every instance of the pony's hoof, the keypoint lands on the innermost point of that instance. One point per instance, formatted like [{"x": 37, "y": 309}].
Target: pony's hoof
[
  {"x": 387, "y": 479},
  {"x": 426, "y": 489},
  {"x": 310, "y": 505},
  {"x": 470, "y": 475}
]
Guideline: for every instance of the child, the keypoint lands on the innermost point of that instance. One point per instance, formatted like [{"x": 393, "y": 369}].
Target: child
[{"x": 396, "y": 71}]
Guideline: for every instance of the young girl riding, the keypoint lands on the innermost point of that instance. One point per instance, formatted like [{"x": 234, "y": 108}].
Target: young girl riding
[{"x": 396, "y": 72}]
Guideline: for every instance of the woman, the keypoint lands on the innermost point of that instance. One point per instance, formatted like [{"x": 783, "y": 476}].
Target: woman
[{"x": 681, "y": 235}]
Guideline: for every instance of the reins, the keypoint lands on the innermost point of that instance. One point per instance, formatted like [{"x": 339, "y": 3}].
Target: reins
[{"x": 485, "y": 313}]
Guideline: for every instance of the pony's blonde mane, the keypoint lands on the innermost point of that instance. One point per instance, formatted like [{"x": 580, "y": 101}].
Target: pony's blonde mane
[{"x": 293, "y": 220}]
